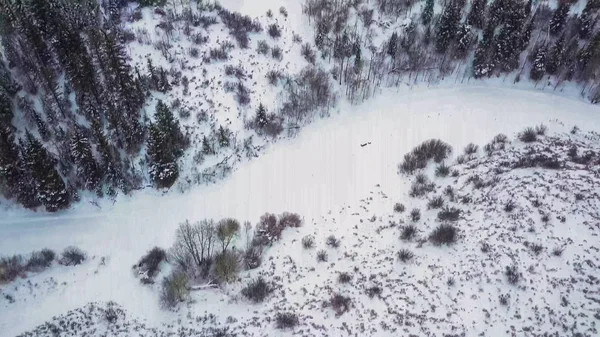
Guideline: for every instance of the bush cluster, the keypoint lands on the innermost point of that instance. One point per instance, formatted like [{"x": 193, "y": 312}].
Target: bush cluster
[
  {"x": 270, "y": 227},
  {"x": 444, "y": 234},
  {"x": 239, "y": 26},
  {"x": 340, "y": 304},
  {"x": 513, "y": 276},
  {"x": 405, "y": 255},
  {"x": 435, "y": 202},
  {"x": 286, "y": 320},
  {"x": 149, "y": 263},
  {"x": 449, "y": 214},
  {"x": 408, "y": 232},
  {"x": 257, "y": 290},
  {"x": 421, "y": 186},
  {"x": 174, "y": 289},
  {"x": 332, "y": 241},
  {"x": 417, "y": 159},
  {"x": 72, "y": 256}
]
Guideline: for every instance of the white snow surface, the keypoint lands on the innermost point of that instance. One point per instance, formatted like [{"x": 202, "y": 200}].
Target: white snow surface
[{"x": 327, "y": 177}]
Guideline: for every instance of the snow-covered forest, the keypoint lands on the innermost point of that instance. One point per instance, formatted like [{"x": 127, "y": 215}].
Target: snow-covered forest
[{"x": 299, "y": 167}]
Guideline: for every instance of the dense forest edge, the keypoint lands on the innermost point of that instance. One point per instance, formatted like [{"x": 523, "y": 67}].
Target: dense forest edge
[{"x": 75, "y": 115}]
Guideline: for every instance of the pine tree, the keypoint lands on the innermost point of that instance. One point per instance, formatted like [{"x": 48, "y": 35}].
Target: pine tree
[
  {"x": 476, "y": 16},
  {"x": 261, "y": 116},
  {"x": 87, "y": 167},
  {"x": 526, "y": 35},
  {"x": 554, "y": 60},
  {"x": 463, "y": 42},
  {"x": 165, "y": 145},
  {"x": 585, "y": 24},
  {"x": 447, "y": 27},
  {"x": 51, "y": 189},
  {"x": 207, "y": 148},
  {"x": 507, "y": 45},
  {"x": 164, "y": 170},
  {"x": 223, "y": 136},
  {"x": 538, "y": 68},
  {"x": 559, "y": 18},
  {"x": 482, "y": 66},
  {"x": 393, "y": 45},
  {"x": 427, "y": 13}
]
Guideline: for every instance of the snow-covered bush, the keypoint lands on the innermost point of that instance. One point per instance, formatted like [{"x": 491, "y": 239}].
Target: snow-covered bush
[
  {"x": 286, "y": 320},
  {"x": 277, "y": 53},
  {"x": 11, "y": 267},
  {"x": 435, "y": 202},
  {"x": 227, "y": 266},
  {"x": 399, "y": 208},
  {"x": 149, "y": 263},
  {"x": 415, "y": 214},
  {"x": 174, "y": 289},
  {"x": 308, "y": 53},
  {"x": 528, "y": 135},
  {"x": 513, "y": 276},
  {"x": 405, "y": 255},
  {"x": 290, "y": 220},
  {"x": 308, "y": 242},
  {"x": 442, "y": 170},
  {"x": 444, "y": 234},
  {"x": 430, "y": 149},
  {"x": 274, "y": 31},
  {"x": 471, "y": 149},
  {"x": 373, "y": 291},
  {"x": 253, "y": 257},
  {"x": 332, "y": 241},
  {"x": 449, "y": 214},
  {"x": 270, "y": 227},
  {"x": 40, "y": 260},
  {"x": 322, "y": 256},
  {"x": 340, "y": 304},
  {"x": 262, "y": 47},
  {"x": 72, "y": 256},
  {"x": 408, "y": 232},
  {"x": 421, "y": 186},
  {"x": 344, "y": 277},
  {"x": 257, "y": 290}
]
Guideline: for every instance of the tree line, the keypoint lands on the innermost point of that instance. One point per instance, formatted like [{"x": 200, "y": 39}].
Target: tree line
[{"x": 475, "y": 39}]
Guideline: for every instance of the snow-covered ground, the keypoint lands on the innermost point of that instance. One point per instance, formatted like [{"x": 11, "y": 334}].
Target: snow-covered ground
[{"x": 326, "y": 176}]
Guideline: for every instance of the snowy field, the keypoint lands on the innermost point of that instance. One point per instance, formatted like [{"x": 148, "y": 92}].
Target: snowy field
[{"x": 319, "y": 174}]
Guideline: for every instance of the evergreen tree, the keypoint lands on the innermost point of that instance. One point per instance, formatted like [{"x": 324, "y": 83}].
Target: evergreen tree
[
  {"x": 507, "y": 45},
  {"x": 482, "y": 66},
  {"x": 165, "y": 145},
  {"x": 393, "y": 45},
  {"x": 427, "y": 13},
  {"x": 51, "y": 189},
  {"x": 585, "y": 24},
  {"x": 463, "y": 42},
  {"x": 164, "y": 170},
  {"x": 559, "y": 18},
  {"x": 526, "y": 35},
  {"x": 87, "y": 168},
  {"x": 261, "y": 116},
  {"x": 538, "y": 68},
  {"x": 476, "y": 16},
  {"x": 555, "y": 57},
  {"x": 447, "y": 27},
  {"x": 223, "y": 136},
  {"x": 207, "y": 148}
]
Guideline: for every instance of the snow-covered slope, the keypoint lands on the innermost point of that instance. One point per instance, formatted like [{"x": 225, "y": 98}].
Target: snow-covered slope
[{"x": 344, "y": 189}]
